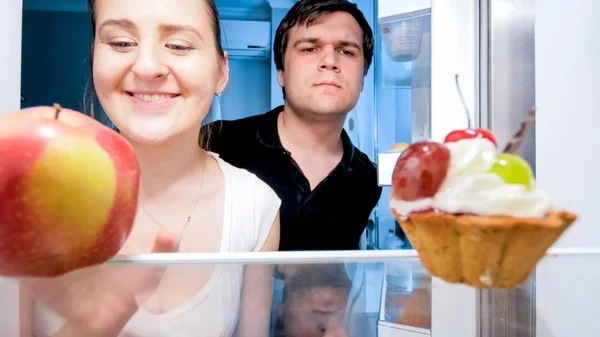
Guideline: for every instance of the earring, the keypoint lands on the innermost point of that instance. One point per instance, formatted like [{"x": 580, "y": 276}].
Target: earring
[{"x": 218, "y": 93}]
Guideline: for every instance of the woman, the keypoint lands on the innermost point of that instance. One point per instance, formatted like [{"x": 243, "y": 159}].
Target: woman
[{"x": 156, "y": 68}]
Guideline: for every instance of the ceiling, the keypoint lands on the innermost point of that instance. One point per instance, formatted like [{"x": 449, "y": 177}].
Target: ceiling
[
  {"x": 244, "y": 9},
  {"x": 229, "y": 9},
  {"x": 257, "y": 4}
]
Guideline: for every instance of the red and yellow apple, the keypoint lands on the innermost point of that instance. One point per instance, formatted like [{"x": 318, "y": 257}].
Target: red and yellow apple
[{"x": 68, "y": 192}]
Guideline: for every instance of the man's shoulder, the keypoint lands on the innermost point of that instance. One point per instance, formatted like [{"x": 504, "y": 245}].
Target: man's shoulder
[
  {"x": 362, "y": 162},
  {"x": 244, "y": 124},
  {"x": 365, "y": 171},
  {"x": 224, "y": 136}
]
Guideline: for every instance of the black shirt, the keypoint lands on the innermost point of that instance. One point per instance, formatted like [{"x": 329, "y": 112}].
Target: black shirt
[{"x": 330, "y": 217}]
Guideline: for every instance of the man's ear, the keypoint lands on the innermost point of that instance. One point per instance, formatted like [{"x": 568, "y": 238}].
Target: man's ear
[{"x": 280, "y": 78}]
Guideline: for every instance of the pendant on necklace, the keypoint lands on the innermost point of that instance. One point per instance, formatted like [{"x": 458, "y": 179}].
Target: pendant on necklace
[{"x": 187, "y": 223}]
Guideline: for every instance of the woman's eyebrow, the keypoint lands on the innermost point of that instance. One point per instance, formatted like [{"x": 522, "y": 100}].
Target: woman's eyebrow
[
  {"x": 171, "y": 28},
  {"x": 122, "y": 23}
]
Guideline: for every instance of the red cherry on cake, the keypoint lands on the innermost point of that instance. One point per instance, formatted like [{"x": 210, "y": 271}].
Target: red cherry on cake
[
  {"x": 420, "y": 171},
  {"x": 457, "y": 135}
]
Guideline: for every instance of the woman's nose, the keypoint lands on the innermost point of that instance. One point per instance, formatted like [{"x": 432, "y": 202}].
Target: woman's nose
[{"x": 148, "y": 65}]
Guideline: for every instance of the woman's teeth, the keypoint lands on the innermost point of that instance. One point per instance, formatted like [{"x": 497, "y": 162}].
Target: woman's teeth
[{"x": 151, "y": 98}]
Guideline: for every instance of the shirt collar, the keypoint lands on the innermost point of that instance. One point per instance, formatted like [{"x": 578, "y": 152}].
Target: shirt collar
[{"x": 268, "y": 136}]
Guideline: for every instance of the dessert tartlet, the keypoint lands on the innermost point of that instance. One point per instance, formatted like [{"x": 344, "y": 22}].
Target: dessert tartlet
[{"x": 473, "y": 213}]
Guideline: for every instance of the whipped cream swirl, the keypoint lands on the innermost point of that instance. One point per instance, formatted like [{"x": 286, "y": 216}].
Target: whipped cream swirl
[{"x": 471, "y": 188}]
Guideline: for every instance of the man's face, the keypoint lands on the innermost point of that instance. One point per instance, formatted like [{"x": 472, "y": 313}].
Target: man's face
[
  {"x": 324, "y": 65},
  {"x": 315, "y": 312}
]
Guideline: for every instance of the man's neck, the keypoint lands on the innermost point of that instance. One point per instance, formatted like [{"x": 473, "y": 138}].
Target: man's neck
[
  {"x": 318, "y": 135},
  {"x": 166, "y": 166}
]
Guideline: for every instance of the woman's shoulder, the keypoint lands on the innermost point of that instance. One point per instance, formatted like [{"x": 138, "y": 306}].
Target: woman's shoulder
[
  {"x": 253, "y": 207},
  {"x": 247, "y": 185}
]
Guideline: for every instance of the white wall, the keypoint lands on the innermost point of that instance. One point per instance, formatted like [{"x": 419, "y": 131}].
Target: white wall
[
  {"x": 10, "y": 90},
  {"x": 10, "y": 55},
  {"x": 567, "y": 94}
]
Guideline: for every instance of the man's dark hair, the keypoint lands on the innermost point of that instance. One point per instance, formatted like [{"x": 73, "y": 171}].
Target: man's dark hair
[
  {"x": 305, "y": 12},
  {"x": 311, "y": 276}
]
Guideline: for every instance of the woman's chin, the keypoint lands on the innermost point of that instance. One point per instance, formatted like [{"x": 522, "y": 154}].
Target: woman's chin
[{"x": 149, "y": 136}]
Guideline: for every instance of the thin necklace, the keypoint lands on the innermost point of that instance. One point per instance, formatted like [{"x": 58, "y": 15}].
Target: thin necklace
[{"x": 189, "y": 218}]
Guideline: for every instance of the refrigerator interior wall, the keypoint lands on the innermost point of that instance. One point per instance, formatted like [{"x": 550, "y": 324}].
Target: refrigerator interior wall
[
  {"x": 247, "y": 93},
  {"x": 55, "y": 64}
]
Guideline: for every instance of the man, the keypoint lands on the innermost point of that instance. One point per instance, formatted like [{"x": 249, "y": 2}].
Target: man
[
  {"x": 314, "y": 302},
  {"x": 322, "y": 50}
]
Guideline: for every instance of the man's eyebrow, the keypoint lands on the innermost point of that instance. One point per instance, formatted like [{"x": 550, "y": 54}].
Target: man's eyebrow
[
  {"x": 347, "y": 43},
  {"x": 306, "y": 40},
  {"x": 343, "y": 43},
  {"x": 123, "y": 23},
  {"x": 171, "y": 28}
]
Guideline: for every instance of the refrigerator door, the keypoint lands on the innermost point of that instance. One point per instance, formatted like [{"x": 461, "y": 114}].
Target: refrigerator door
[
  {"x": 507, "y": 93},
  {"x": 10, "y": 86}
]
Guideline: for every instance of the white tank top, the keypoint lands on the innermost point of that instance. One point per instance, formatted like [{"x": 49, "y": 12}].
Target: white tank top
[{"x": 251, "y": 206}]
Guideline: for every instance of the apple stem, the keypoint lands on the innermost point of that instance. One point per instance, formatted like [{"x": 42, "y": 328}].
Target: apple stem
[
  {"x": 518, "y": 139},
  {"x": 57, "y": 107},
  {"x": 462, "y": 99}
]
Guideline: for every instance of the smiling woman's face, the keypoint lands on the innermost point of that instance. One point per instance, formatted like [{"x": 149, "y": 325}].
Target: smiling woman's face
[{"x": 156, "y": 68}]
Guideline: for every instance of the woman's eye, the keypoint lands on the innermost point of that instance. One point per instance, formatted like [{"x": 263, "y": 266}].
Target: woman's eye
[
  {"x": 178, "y": 47},
  {"x": 121, "y": 44}
]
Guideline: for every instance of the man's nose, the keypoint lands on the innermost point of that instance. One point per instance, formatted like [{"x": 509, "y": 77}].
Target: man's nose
[
  {"x": 148, "y": 65},
  {"x": 330, "y": 59}
]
